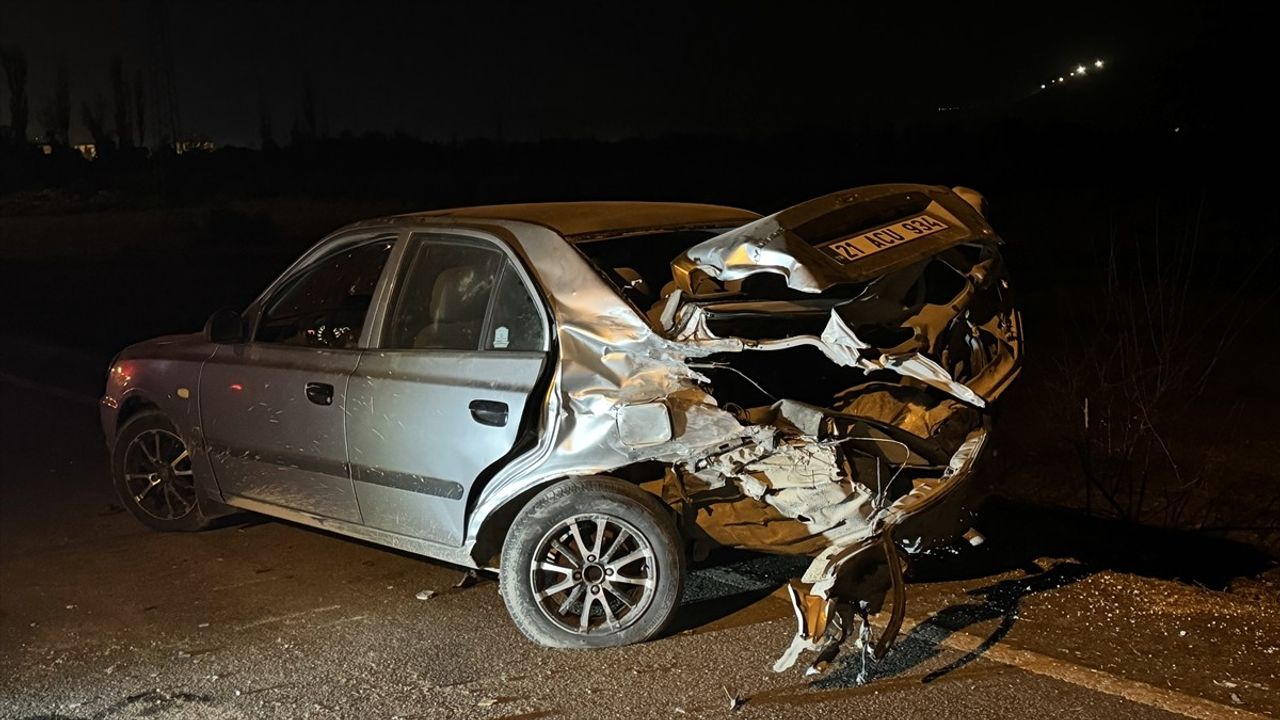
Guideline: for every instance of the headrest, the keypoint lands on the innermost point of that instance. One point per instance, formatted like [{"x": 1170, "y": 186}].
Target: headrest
[{"x": 460, "y": 293}]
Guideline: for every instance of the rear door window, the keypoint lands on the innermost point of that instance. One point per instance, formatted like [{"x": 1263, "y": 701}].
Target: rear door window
[
  {"x": 516, "y": 324},
  {"x": 461, "y": 295},
  {"x": 443, "y": 297}
]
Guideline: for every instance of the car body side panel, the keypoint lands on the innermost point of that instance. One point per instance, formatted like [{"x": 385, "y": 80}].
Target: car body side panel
[
  {"x": 266, "y": 440},
  {"x": 162, "y": 373},
  {"x": 415, "y": 447},
  {"x": 608, "y": 357},
  {"x": 446, "y": 553}
]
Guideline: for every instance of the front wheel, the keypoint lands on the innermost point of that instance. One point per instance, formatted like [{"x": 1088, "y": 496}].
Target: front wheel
[
  {"x": 590, "y": 563},
  {"x": 152, "y": 473}
]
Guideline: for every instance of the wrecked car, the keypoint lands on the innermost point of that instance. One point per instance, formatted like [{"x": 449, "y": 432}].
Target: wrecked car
[{"x": 584, "y": 395}]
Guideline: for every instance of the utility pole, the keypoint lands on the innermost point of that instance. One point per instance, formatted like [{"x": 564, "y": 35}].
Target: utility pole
[{"x": 162, "y": 85}]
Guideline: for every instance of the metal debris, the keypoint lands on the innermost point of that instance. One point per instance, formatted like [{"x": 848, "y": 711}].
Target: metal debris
[{"x": 735, "y": 701}]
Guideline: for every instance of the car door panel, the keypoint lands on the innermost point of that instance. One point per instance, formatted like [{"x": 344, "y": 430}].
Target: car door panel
[
  {"x": 266, "y": 439},
  {"x": 463, "y": 344},
  {"x": 415, "y": 443},
  {"x": 273, "y": 409}
]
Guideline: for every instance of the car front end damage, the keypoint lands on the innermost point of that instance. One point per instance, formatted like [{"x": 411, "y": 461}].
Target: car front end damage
[{"x": 829, "y": 372}]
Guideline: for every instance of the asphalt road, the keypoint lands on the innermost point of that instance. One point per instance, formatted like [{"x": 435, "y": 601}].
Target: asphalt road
[{"x": 101, "y": 618}]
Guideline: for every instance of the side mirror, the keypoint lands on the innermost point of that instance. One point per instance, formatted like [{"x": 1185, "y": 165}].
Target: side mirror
[{"x": 224, "y": 326}]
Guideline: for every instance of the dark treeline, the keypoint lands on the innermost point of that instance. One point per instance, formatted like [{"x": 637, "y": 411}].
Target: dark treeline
[
  {"x": 763, "y": 173},
  {"x": 1175, "y": 123}
]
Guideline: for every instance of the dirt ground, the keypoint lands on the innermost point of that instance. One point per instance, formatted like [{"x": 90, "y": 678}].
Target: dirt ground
[{"x": 99, "y": 618}]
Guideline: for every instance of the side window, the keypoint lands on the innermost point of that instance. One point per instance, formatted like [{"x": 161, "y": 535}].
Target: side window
[
  {"x": 325, "y": 306},
  {"x": 516, "y": 323},
  {"x": 443, "y": 297}
]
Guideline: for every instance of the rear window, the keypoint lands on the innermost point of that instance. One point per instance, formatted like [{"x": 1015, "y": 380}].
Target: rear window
[{"x": 640, "y": 265}]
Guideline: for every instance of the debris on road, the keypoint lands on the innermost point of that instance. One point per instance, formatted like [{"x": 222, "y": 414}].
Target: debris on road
[
  {"x": 735, "y": 701},
  {"x": 426, "y": 594},
  {"x": 468, "y": 579}
]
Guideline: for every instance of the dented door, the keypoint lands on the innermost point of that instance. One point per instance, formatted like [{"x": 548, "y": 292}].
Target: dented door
[{"x": 443, "y": 397}]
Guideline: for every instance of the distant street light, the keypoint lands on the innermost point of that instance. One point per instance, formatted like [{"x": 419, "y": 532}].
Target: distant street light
[{"x": 1080, "y": 71}]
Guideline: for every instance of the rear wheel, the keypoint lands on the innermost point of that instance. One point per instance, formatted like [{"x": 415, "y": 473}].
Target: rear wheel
[
  {"x": 592, "y": 562},
  {"x": 152, "y": 473}
]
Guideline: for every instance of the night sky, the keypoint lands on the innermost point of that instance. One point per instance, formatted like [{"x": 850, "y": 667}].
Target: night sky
[{"x": 535, "y": 70}]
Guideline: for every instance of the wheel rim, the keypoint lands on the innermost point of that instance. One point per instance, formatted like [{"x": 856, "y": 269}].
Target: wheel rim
[
  {"x": 158, "y": 475},
  {"x": 593, "y": 574}
]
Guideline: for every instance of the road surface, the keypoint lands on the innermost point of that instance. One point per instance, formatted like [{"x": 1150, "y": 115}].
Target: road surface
[{"x": 101, "y": 618}]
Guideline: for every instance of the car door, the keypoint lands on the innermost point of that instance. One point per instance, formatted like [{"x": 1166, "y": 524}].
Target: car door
[
  {"x": 441, "y": 398},
  {"x": 272, "y": 409}
]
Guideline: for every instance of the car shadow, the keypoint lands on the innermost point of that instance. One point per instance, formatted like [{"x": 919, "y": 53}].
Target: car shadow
[
  {"x": 728, "y": 582},
  {"x": 1019, "y": 534},
  {"x": 924, "y": 642}
]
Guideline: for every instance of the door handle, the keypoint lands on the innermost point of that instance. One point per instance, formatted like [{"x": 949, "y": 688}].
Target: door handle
[
  {"x": 489, "y": 412},
  {"x": 320, "y": 393}
]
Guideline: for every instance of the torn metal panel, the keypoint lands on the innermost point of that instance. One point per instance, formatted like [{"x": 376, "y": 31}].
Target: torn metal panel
[
  {"x": 943, "y": 421},
  {"x": 802, "y": 243},
  {"x": 838, "y": 342},
  {"x": 858, "y": 574}
]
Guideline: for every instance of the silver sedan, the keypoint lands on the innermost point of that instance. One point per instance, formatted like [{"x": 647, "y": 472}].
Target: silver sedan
[{"x": 584, "y": 396}]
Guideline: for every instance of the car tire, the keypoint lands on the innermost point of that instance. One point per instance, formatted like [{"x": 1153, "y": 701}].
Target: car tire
[
  {"x": 639, "y": 574},
  {"x": 152, "y": 474}
]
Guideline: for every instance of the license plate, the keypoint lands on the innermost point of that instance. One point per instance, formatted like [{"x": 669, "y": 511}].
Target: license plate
[{"x": 873, "y": 241}]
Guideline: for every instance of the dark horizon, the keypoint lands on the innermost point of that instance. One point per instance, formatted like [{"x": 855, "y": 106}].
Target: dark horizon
[{"x": 441, "y": 71}]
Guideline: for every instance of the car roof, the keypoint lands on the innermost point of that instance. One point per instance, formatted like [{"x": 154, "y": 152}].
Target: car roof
[{"x": 579, "y": 221}]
